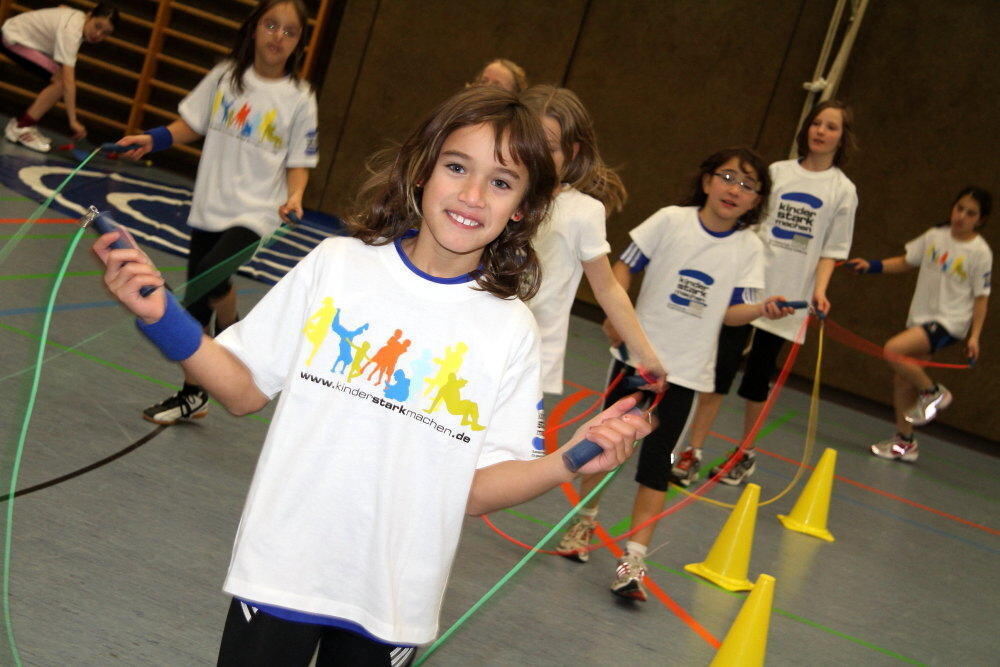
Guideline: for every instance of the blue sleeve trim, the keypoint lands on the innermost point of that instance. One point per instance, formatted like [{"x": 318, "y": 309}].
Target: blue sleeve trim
[
  {"x": 742, "y": 295},
  {"x": 634, "y": 258}
]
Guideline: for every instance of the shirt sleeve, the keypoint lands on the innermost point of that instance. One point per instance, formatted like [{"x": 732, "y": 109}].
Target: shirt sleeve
[
  {"x": 68, "y": 38},
  {"x": 303, "y": 149},
  {"x": 841, "y": 232},
  {"x": 267, "y": 340},
  {"x": 593, "y": 233},
  {"x": 650, "y": 232},
  {"x": 915, "y": 249},
  {"x": 196, "y": 108},
  {"x": 514, "y": 430},
  {"x": 983, "y": 274}
]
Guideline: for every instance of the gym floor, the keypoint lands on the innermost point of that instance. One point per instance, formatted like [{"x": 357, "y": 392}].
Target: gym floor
[{"x": 123, "y": 564}]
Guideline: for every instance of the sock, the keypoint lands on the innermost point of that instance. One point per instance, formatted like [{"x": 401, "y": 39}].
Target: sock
[
  {"x": 587, "y": 513},
  {"x": 635, "y": 549},
  {"x": 191, "y": 388},
  {"x": 24, "y": 120},
  {"x": 905, "y": 438}
]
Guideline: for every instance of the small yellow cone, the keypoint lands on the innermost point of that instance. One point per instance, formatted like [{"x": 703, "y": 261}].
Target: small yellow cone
[
  {"x": 745, "y": 644},
  {"x": 810, "y": 511},
  {"x": 728, "y": 560}
]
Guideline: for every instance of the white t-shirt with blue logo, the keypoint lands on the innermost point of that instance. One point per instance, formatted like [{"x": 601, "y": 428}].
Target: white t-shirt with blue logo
[
  {"x": 573, "y": 233},
  {"x": 952, "y": 274},
  {"x": 687, "y": 287},
  {"x": 395, "y": 388},
  {"x": 810, "y": 216},
  {"x": 250, "y": 141}
]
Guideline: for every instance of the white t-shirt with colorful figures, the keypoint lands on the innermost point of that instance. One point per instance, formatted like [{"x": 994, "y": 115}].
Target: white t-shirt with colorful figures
[
  {"x": 56, "y": 32},
  {"x": 687, "y": 287},
  {"x": 572, "y": 233},
  {"x": 250, "y": 140},
  {"x": 395, "y": 388},
  {"x": 952, "y": 274},
  {"x": 810, "y": 216}
]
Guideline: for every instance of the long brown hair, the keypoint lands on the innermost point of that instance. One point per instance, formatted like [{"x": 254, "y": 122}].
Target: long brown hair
[
  {"x": 584, "y": 168},
  {"x": 389, "y": 201},
  {"x": 848, "y": 141},
  {"x": 242, "y": 54}
]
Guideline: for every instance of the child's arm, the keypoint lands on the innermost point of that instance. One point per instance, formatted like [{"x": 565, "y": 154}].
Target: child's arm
[
  {"x": 297, "y": 178},
  {"x": 68, "y": 74},
  {"x": 745, "y": 313},
  {"x": 514, "y": 482},
  {"x": 180, "y": 133},
  {"x": 623, "y": 275},
  {"x": 892, "y": 265},
  {"x": 614, "y": 299},
  {"x": 978, "y": 318},
  {"x": 211, "y": 365},
  {"x": 824, "y": 270}
]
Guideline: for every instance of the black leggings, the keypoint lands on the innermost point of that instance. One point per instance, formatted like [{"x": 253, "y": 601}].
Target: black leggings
[
  {"x": 220, "y": 253},
  {"x": 761, "y": 365},
  {"x": 253, "y": 638}
]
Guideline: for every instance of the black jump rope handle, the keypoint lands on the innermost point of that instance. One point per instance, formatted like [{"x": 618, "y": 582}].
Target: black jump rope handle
[
  {"x": 583, "y": 451},
  {"x": 117, "y": 148},
  {"x": 103, "y": 223},
  {"x": 294, "y": 217}
]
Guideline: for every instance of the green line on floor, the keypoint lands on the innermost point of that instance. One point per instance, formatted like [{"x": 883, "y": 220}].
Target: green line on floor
[
  {"x": 75, "y": 274},
  {"x": 15, "y": 198},
  {"x": 37, "y": 236}
]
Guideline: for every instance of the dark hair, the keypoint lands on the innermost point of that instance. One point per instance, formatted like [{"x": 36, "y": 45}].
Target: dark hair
[
  {"x": 982, "y": 197},
  {"x": 748, "y": 160},
  {"x": 848, "y": 142},
  {"x": 105, "y": 10},
  {"x": 243, "y": 48},
  {"x": 585, "y": 171},
  {"x": 389, "y": 202}
]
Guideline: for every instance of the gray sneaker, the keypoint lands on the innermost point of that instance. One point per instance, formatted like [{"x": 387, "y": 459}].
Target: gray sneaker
[
  {"x": 629, "y": 574},
  {"x": 896, "y": 449},
  {"x": 928, "y": 406},
  {"x": 575, "y": 544}
]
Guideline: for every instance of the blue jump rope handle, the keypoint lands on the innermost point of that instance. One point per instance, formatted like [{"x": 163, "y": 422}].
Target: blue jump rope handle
[
  {"x": 797, "y": 305},
  {"x": 583, "y": 451},
  {"x": 294, "y": 217},
  {"x": 116, "y": 148},
  {"x": 104, "y": 224}
]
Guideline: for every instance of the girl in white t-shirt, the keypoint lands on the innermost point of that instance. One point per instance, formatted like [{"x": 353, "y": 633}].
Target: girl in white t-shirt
[
  {"x": 704, "y": 268},
  {"x": 353, "y": 518},
  {"x": 807, "y": 229},
  {"x": 572, "y": 241},
  {"x": 259, "y": 122},
  {"x": 949, "y": 303},
  {"x": 45, "y": 43}
]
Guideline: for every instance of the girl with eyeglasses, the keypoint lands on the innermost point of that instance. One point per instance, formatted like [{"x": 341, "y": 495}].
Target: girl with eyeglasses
[
  {"x": 704, "y": 267},
  {"x": 259, "y": 122},
  {"x": 949, "y": 303},
  {"x": 807, "y": 229}
]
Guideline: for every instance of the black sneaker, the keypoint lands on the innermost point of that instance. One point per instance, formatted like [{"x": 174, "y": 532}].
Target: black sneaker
[
  {"x": 182, "y": 405},
  {"x": 739, "y": 472}
]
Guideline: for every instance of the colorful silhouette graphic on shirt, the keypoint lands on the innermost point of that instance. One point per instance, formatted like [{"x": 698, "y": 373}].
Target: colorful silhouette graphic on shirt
[
  {"x": 360, "y": 356},
  {"x": 346, "y": 347},
  {"x": 400, "y": 389},
  {"x": 317, "y": 326},
  {"x": 456, "y": 405},
  {"x": 420, "y": 368},
  {"x": 448, "y": 365},
  {"x": 386, "y": 357},
  {"x": 267, "y": 129}
]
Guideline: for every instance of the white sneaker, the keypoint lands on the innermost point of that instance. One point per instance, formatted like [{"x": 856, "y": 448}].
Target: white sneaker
[
  {"x": 896, "y": 449},
  {"x": 29, "y": 136},
  {"x": 928, "y": 406},
  {"x": 628, "y": 578}
]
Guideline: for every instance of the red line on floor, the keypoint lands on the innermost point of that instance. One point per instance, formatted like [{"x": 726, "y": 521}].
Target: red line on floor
[{"x": 551, "y": 444}]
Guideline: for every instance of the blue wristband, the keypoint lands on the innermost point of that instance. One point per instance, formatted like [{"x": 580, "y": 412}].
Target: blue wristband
[
  {"x": 874, "y": 266},
  {"x": 176, "y": 334},
  {"x": 162, "y": 139}
]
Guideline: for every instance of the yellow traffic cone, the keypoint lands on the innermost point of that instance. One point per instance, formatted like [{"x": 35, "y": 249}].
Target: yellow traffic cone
[
  {"x": 746, "y": 642},
  {"x": 729, "y": 558},
  {"x": 810, "y": 511}
]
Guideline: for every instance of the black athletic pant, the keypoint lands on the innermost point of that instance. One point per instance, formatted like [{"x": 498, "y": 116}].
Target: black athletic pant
[{"x": 219, "y": 253}]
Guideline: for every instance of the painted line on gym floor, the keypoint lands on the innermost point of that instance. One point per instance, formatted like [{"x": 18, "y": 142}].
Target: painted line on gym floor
[
  {"x": 551, "y": 440},
  {"x": 37, "y": 236},
  {"x": 40, "y": 221},
  {"x": 109, "y": 364},
  {"x": 74, "y": 274},
  {"x": 85, "y": 305}
]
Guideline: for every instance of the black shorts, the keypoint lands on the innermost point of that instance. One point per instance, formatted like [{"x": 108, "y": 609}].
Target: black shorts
[
  {"x": 674, "y": 415},
  {"x": 762, "y": 364},
  {"x": 729, "y": 354},
  {"x": 937, "y": 335},
  {"x": 215, "y": 256},
  {"x": 254, "y": 638},
  {"x": 34, "y": 69}
]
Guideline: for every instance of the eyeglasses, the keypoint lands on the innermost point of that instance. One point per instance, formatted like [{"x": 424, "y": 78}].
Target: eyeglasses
[
  {"x": 746, "y": 183},
  {"x": 272, "y": 27}
]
